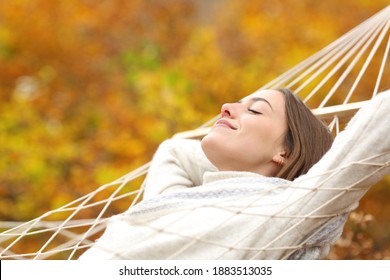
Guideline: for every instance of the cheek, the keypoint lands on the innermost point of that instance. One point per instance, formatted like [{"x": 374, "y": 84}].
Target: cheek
[
  {"x": 256, "y": 135},
  {"x": 255, "y": 149},
  {"x": 259, "y": 144}
]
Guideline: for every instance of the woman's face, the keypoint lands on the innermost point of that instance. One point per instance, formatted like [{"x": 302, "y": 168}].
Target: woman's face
[{"x": 249, "y": 136}]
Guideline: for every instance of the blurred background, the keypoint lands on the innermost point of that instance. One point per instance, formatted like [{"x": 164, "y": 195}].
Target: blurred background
[{"x": 88, "y": 89}]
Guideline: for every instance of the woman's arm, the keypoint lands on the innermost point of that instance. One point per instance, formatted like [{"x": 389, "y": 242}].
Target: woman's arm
[
  {"x": 177, "y": 164},
  {"x": 358, "y": 158}
]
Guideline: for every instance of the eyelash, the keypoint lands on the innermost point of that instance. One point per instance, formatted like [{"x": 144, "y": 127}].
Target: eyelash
[{"x": 254, "y": 111}]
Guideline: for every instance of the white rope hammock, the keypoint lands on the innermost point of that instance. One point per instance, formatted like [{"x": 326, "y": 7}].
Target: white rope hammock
[{"x": 352, "y": 70}]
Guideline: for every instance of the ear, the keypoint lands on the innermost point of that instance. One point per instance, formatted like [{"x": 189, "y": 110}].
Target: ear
[{"x": 280, "y": 159}]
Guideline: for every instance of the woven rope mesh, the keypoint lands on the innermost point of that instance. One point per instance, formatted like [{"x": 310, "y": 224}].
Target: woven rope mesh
[{"x": 351, "y": 70}]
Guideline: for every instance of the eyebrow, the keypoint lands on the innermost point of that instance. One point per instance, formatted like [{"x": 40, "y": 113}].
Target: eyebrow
[{"x": 256, "y": 99}]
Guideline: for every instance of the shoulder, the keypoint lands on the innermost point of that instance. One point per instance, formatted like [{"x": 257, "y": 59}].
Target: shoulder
[
  {"x": 177, "y": 148},
  {"x": 180, "y": 144}
]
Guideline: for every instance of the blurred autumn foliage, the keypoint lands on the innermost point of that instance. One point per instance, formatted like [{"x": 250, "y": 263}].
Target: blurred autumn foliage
[{"x": 88, "y": 89}]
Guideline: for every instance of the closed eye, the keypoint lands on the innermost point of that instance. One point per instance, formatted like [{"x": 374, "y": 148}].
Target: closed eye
[{"x": 254, "y": 111}]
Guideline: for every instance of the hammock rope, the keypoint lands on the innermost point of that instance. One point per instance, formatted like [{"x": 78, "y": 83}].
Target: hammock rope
[{"x": 367, "y": 45}]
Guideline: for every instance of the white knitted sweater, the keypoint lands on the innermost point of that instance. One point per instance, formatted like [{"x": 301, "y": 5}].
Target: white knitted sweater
[{"x": 193, "y": 211}]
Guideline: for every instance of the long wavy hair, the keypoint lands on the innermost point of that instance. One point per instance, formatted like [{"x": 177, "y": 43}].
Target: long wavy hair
[{"x": 307, "y": 138}]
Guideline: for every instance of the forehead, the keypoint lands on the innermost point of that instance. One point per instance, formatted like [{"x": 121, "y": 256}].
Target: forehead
[{"x": 274, "y": 97}]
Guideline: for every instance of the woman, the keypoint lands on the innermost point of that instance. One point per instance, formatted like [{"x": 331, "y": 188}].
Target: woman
[
  {"x": 271, "y": 133},
  {"x": 231, "y": 196}
]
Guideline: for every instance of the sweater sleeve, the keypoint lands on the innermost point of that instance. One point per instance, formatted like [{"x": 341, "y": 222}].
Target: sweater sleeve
[
  {"x": 177, "y": 164},
  {"x": 358, "y": 158}
]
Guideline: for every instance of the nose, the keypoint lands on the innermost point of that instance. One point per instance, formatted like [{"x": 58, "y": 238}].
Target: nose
[
  {"x": 230, "y": 110},
  {"x": 226, "y": 110}
]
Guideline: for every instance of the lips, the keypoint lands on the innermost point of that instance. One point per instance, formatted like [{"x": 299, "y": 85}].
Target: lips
[{"x": 225, "y": 123}]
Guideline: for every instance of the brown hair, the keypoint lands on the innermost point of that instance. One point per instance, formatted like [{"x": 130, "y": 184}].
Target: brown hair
[{"x": 307, "y": 139}]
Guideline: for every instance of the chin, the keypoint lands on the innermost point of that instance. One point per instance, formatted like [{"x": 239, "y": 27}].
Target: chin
[
  {"x": 205, "y": 144},
  {"x": 210, "y": 148}
]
